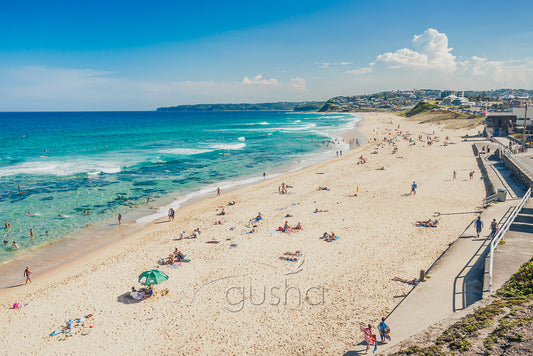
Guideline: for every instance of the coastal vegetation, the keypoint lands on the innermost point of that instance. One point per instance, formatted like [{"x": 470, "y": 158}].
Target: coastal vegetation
[
  {"x": 278, "y": 106},
  {"x": 503, "y": 326},
  {"x": 426, "y": 112}
]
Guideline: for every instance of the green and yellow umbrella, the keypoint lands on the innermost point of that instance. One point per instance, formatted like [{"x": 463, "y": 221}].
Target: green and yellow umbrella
[{"x": 153, "y": 276}]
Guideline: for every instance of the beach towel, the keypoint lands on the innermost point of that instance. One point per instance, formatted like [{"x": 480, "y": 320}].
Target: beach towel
[
  {"x": 384, "y": 331},
  {"x": 336, "y": 238},
  {"x": 369, "y": 337}
]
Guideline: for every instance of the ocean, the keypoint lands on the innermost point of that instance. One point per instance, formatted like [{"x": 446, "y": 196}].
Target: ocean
[{"x": 140, "y": 163}]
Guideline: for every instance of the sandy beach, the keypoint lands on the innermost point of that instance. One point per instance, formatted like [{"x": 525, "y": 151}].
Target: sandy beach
[{"x": 243, "y": 299}]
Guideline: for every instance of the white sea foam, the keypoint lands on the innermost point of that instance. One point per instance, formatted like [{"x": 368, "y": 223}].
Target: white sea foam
[
  {"x": 185, "y": 151},
  {"x": 297, "y": 128},
  {"x": 241, "y": 138},
  {"x": 258, "y": 123},
  {"x": 229, "y": 146},
  {"x": 58, "y": 168}
]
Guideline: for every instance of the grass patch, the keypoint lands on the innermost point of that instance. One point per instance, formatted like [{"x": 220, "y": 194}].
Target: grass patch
[{"x": 512, "y": 297}]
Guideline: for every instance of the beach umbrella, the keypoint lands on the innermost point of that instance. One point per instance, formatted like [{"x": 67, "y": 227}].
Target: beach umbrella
[{"x": 153, "y": 276}]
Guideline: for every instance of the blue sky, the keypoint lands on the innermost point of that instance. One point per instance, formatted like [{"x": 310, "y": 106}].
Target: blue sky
[{"x": 110, "y": 55}]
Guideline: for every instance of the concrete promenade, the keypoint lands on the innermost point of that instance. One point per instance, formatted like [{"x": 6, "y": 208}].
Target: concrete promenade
[{"x": 455, "y": 282}]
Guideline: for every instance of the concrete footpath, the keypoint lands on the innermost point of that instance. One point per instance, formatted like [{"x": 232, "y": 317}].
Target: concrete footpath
[{"x": 455, "y": 282}]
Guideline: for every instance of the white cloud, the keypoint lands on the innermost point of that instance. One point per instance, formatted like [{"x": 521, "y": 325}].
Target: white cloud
[
  {"x": 430, "y": 51},
  {"x": 345, "y": 63},
  {"x": 298, "y": 83},
  {"x": 42, "y": 88},
  {"x": 435, "y": 66},
  {"x": 324, "y": 65},
  {"x": 360, "y": 71},
  {"x": 258, "y": 80}
]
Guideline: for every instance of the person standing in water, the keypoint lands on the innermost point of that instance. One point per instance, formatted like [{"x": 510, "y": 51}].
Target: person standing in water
[
  {"x": 119, "y": 219},
  {"x": 31, "y": 233}
]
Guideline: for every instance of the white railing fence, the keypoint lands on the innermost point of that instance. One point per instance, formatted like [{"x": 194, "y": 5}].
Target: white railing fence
[{"x": 503, "y": 229}]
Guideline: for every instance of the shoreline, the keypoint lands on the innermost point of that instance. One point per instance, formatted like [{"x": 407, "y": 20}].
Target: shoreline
[
  {"x": 354, "y": 273},
  {"x": 143, "y": 223}
]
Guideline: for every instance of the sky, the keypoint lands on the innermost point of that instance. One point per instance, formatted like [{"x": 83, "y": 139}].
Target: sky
[{"x": 140, "y": 55}]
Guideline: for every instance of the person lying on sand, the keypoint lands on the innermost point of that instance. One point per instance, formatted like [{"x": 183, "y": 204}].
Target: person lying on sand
[
  {"x": 398, "y": 279},
  {"x": 258, "y": 218},
  {"x": 222, "y": 212},
  {"x": 427, "y": 223},
  {"x": 297, "y": 253},
  {"x": 232, "y": 203},
  {"x": 291, "y": 259},
  {"x": 329, "y": 237},
  {"x": 320, "y": 211},
  {"x": 323, "y": 188}
]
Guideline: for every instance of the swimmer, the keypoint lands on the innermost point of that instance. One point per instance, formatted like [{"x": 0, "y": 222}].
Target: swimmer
[
  {"x": 86, "y": 212},
  {"x": 7, "y": 224},
  {"x": 5, "y": 241},
  {"x": 14, "y": 245},
  {"x": 31, "y": 233},
  {"x": 29, "y": 213},
  {"x": 46, "y": 232}
]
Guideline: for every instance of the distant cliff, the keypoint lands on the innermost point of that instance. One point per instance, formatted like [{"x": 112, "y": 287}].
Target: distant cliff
[{"x": 279, "y": 106}]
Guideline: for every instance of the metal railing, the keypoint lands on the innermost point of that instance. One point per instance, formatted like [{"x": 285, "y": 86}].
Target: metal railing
[
  {"x": 524, "y": 167},
  {"x": 505, "y": 227}
]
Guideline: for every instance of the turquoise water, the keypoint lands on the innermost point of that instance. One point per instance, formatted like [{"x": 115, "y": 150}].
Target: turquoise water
[{"x": 111, "y": 162}]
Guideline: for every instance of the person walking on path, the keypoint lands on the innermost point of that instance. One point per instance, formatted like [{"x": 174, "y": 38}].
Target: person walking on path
[
  {"x": 454, "y": 175},
  {"x": 493, "y": 228},
  {"x": 479, "y": 225},
  {"x": 413, "y": 189},
  {"x": 218, "y": 191},
  {"x": 119, "y": 219},
  {"x": 384, "y": 330},
  {"x": 27, "y": 273},
  {"x": 370, "y": 338}
]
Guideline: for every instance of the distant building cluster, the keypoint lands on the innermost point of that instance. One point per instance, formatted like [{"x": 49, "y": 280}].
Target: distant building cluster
[
  {"x": 504, "y": 109},
  {"x": 468, "y": 102}
]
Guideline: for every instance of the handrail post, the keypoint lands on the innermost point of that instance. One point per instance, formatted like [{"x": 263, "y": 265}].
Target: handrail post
[{"x": 495, "y": 241}]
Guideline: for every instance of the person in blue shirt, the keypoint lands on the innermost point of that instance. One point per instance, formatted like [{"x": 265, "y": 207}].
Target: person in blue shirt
[
  {"x": 479, "y": 225},
  {"x": 384, "y": 330},
  {"x": 413, "y": 189}
]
